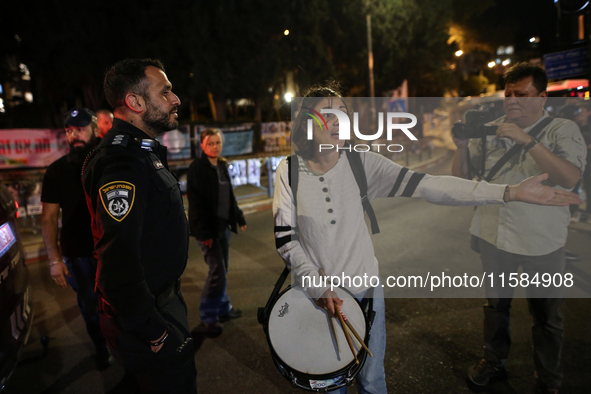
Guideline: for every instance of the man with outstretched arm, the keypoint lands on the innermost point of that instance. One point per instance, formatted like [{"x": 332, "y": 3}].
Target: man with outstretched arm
[{"x": 521, "y": 235}]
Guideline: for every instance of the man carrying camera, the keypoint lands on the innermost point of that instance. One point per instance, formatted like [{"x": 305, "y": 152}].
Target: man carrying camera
[{"x": 520, "y": 235}]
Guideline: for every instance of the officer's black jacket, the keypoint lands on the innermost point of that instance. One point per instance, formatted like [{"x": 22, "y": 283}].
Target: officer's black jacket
[
  {"x": 202, "y": 193},
  {"x": 139, "y": 227}
]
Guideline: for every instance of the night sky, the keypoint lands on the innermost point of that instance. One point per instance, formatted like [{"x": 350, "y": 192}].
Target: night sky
[
  {"x": 529, "y": 17},
  {"x": 213, "y": 39}
]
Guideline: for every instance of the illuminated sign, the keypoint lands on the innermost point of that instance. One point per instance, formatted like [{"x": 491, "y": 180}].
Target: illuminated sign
[{"x": 7, "y": 238}]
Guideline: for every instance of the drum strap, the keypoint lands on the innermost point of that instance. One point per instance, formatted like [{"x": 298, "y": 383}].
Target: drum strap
[
  {"x": 263, "y": 312},
  {"x": 367, "y": 306},
  {"x": 367, "y": 301}
]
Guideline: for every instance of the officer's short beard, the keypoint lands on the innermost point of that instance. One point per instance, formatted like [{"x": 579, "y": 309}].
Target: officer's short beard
[
  {"x": 158, "y": 120},
  {"x": 79, "y": 153}
]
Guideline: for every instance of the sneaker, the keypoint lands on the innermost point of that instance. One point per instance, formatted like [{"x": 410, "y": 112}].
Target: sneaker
[
  {"x": 570, "y": 255},
  {"x": 541, "y": 388},
  {"x": 211, "y": 330},
  {"x": 233, "y": 313},
  {"x": 481, "y": 373},
  {"x": 104, "y": 358},
  {"x": 575, "y": 216}
]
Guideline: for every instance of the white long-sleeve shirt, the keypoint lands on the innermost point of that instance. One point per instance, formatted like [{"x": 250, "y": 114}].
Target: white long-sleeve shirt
[{"x": 331, "y": 231}]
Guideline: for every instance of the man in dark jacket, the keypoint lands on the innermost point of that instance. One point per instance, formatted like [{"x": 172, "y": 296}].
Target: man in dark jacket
[
  {"x": 213, "y": 211},
  {"x": 140, "y": 232}
]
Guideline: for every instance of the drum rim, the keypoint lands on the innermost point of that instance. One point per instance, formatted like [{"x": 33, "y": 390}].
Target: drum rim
[{"x": 361, "y": 355}]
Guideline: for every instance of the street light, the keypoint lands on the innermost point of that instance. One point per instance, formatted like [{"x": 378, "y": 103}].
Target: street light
[
  {"x": 491, "y": 64},
  {"x": 286, "y": 32},
  {"x": 288, "y": 97},
  {"x": 459, "y": 53}
]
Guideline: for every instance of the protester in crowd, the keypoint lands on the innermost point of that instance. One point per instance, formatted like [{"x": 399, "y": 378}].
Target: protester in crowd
[
  {"x": 327, "y": 230},
  {"x": 140, "y": 232},
  {"x": 71, "y": 260},
  {"x": 519, "y": 235},
  {"x": 213, "y": 212},
  {"x": 104, "y": 121}
]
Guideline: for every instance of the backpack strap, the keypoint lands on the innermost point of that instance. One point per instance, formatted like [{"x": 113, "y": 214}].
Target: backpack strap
[
  {"x": 359, "y": 173},
  {"x": 293, "y": 183},
  {"x": 293, "y": 177}
]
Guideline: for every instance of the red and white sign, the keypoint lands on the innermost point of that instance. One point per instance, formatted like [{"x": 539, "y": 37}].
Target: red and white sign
[{"x": 31, "y": 147}]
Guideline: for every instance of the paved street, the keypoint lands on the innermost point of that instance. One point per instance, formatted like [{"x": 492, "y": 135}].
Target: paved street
[{"x": 431, "y": 342}]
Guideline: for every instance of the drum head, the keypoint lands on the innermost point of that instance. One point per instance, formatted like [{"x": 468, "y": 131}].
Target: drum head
[{"x": 300, "y": 334}]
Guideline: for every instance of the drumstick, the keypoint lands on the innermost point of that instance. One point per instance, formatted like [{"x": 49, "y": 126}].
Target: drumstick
[
  {"x": 342, "y": 317},
  {"x": 332, "y": 329},
  {"x": 334, "y": 333},
  {"x": 343, "y": 325},
  {"x": 355, "y": 333}
]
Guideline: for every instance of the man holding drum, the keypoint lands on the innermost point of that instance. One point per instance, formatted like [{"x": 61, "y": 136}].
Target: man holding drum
[{"x": 327, "y": 232}]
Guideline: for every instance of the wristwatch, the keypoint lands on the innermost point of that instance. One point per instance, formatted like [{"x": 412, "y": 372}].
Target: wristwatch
[
  {"x": 534, "y": 141},
  {"x": 506, "y": 194}
]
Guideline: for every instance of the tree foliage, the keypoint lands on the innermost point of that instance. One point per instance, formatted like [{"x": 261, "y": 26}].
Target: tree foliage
[{"x": 231, "y": 49}]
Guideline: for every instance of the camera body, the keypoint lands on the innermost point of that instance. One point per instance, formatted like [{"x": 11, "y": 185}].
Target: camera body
[{"x": 474, "y": 126}]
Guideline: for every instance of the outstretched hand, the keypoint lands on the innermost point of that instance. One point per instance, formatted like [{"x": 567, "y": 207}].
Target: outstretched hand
[{"x": 532, "y": 191}]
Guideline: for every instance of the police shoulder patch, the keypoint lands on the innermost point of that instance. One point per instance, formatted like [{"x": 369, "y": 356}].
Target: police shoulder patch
[{"x": 117, "y": 198}]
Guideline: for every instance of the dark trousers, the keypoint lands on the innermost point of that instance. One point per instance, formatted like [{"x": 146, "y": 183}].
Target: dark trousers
[
  {"x": 82, "y": 277},
  {"x": 172, "y": 369},
  {"x": 214, "y": 299},
  {"x": 544, "y": 307}
]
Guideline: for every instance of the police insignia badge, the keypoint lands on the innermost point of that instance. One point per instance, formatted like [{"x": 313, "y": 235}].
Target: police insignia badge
[{"x": 117, "y": 198}]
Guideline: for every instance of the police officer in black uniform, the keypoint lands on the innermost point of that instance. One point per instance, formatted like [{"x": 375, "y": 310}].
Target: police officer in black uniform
[{"x": 140, "y": 232}]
